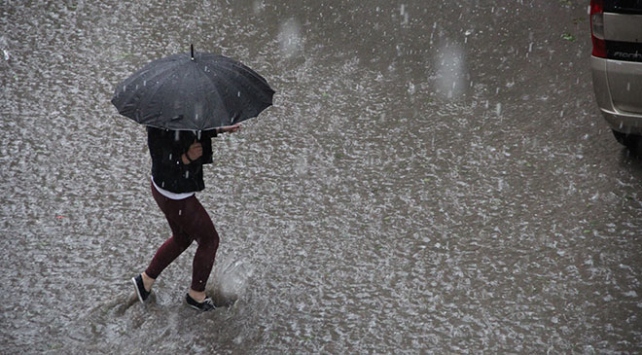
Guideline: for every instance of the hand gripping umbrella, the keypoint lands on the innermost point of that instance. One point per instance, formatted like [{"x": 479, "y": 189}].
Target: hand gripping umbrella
[{"x": 192, "y": 91}]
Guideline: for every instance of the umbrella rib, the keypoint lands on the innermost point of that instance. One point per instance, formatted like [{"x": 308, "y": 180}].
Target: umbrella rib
[
  {"x": 247, "y": 76},
  {"x": 155, "y": 74},
  {"x": 219, "y": 97},
  {"x": 250, "y": 77},
  {"x": 149, "y": 97},
  {"x": 246, "y": 73}
]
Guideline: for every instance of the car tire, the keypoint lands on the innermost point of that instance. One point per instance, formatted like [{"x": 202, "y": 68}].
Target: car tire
[{"x": 632, "y": 142}]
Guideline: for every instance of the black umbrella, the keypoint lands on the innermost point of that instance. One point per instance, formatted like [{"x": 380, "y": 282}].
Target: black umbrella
[{"x": 193, "y": 91}]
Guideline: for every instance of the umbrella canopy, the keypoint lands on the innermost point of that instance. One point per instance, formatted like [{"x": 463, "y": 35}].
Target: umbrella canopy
[{"x": 192, "y": 91}]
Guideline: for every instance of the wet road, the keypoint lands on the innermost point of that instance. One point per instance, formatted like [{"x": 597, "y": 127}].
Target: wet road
[{"x": 431, "y": 179}]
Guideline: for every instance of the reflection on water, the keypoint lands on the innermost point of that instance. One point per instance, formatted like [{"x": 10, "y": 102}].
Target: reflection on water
[{"x": 365, "y": 212}]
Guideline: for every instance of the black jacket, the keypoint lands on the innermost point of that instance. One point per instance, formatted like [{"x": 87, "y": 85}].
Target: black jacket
[{"x": 168, "y": 171}]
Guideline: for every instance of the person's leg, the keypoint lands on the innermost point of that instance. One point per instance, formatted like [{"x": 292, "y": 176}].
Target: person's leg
[
  {"x": 165, "y": 255},
  {"x": 199, "y": 226},
  {"x": 172, "y": 247}
]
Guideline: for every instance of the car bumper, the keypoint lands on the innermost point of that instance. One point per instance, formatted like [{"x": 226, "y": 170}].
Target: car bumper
[{"x": 617, "y": 119}]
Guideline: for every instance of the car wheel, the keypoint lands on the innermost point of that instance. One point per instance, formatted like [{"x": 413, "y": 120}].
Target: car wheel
[{"x": 632, "y": 141}]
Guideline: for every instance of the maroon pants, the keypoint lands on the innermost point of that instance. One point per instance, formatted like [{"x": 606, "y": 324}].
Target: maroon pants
[{"x": 189, "y": 222}]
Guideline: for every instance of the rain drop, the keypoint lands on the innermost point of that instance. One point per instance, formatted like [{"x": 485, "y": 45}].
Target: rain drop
[
  {"x": 180, "y": 212},
  {"x": 258, "y": 7},
  {"x": 451, "y": 71},
  {"x": 411, "y": 88},
  {"x": 405, "y": 15},
  {"x": 290, "y": 38}
]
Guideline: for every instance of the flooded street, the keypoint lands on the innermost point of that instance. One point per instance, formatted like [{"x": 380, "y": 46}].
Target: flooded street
[{"x": 431, "y": 179}]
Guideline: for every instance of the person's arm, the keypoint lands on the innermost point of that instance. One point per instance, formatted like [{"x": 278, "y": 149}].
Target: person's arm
[
  {"x": 229, "y": 129},
  {"x": 224, "y": 129}
]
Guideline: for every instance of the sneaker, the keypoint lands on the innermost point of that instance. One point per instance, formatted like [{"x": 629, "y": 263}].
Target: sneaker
[
  {"x": 142, "y": 293},
  {"x": 206, "y": 305}
]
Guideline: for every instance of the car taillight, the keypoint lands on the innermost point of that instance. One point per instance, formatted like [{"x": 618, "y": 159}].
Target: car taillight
[{"x": 597, "y": 28}]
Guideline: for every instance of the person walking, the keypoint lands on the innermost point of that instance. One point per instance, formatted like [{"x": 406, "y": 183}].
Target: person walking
[{"x": 177, "y": 174}]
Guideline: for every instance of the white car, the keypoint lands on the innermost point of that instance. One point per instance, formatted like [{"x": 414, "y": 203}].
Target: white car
[{"x": 616, "y": 65}]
